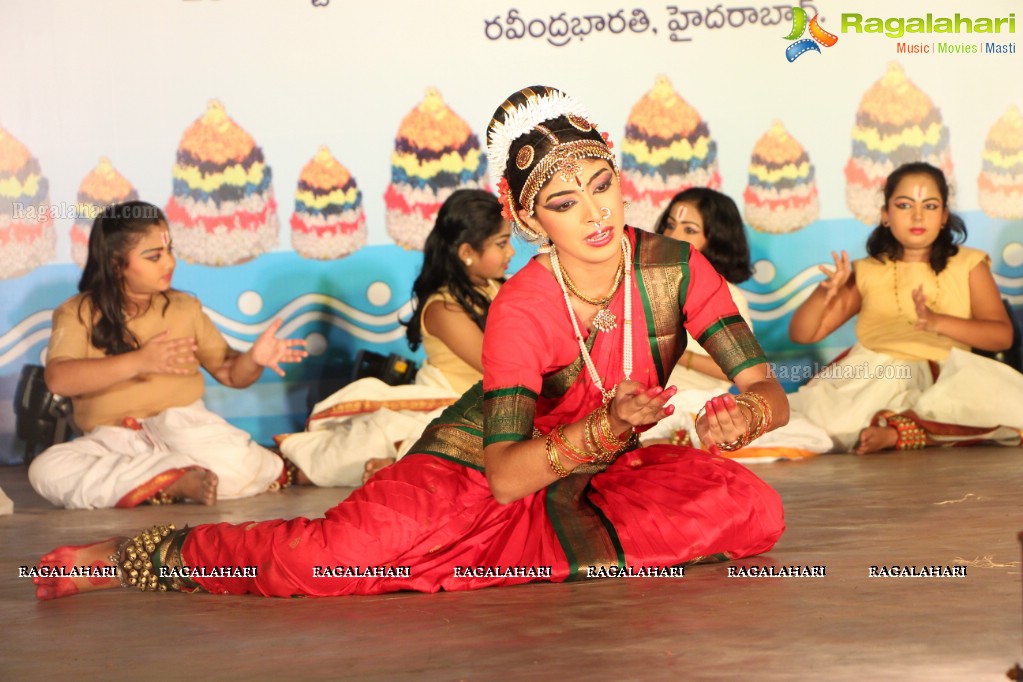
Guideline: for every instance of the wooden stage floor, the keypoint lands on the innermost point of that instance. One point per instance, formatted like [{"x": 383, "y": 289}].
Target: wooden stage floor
[{"x": 847, "y": 513}]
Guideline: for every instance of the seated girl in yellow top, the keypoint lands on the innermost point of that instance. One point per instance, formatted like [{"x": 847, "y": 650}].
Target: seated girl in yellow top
[
  {"x": 367, "y": 425},
  {"x": 127, "y": 350},
  {"x": 923, "y": 301}
]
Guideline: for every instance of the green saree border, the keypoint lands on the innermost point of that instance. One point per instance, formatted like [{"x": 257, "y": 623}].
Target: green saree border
[
  {"x": 585, "y": 534},
  {"x": 661, "y": 267}
]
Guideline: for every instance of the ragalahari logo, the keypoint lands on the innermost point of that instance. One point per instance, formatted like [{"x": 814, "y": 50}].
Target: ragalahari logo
[{"x": 817, "y": 35}]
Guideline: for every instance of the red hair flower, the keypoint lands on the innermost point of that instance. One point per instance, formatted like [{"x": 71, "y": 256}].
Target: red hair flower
[
  {"x": 607, "y": 140},
  {"x": 504, "y": 196}
]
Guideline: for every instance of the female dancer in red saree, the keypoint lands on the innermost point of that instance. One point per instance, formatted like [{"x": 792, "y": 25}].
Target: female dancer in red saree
[{"x": 536, "y": 473}]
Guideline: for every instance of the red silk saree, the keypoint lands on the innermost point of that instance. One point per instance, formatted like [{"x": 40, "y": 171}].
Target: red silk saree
[{"x": 430, "y": 523}]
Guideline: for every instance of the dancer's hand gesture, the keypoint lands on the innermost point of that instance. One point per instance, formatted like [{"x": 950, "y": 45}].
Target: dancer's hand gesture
[
  {"x": 270, "y": 351},
  {"x": 836, "y": 278}
]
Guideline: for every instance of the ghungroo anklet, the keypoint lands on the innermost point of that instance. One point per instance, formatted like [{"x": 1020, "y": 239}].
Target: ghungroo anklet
[
  {"x": 288, "y": 477},
  {"x": 134, "y": 559},
  {"x": 681, "y": 438},
  {"x": 161, "y": 497},
  {"x": 911, "y": 435}
]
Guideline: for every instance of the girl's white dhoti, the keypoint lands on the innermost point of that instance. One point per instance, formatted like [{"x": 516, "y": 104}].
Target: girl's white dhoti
[
  {"x": 366, "y": 419},
  {"x": 98, "y": 470},
  {"x": 971, "y": 390},
  {"x": 800, "y": 437}
]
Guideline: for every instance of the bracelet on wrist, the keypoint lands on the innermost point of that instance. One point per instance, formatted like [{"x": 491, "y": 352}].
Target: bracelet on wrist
[{"x": 553, "y": 459}]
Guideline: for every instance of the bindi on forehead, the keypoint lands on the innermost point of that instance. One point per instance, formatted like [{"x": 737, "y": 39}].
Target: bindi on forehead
[
  {"x": 680, "y": 214},
  {"x": 918, "y": 188},
  {"x": 153, "y": 241}
]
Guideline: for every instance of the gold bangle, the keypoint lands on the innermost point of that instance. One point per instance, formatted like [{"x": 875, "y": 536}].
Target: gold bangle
[
  {"x": 601, "y": 452},
  {"x": 552, "y": 457},
  {"x": 742, "y": 441},
  {"x": 755, "y": 420},
  {"x": 574, "y": 453},
  {"x": 744, "y": 438},
  {"x": 737, "y": 444},
  {"x": 589, "y": 443},
  {"x": 766, "y": 406},
  {"x": 611, "y": 444},
  {"x": 760, "y": 408},
  {"x": 604, "y": 421},
  {"x": 689, "y": 360}
]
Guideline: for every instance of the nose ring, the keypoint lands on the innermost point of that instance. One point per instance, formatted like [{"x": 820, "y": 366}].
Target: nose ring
[{"x": 605, "y": 213}]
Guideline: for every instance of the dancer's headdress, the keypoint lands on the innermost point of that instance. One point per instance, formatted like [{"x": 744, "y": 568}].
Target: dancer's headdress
[{"x": 531, "y": 124}]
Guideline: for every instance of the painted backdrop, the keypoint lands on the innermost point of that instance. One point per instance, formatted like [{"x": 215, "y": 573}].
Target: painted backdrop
[{"x": 301, "y": 148}]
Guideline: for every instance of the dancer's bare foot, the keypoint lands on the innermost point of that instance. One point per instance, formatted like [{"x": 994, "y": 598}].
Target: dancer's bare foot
[
  {"x": 301, "y": 478},
  {"x": 66, "y": 559},
  {"x": 876, "y": 438},
  {"x": 374, "y": 465},
  {"x": 197, "y": 484}
]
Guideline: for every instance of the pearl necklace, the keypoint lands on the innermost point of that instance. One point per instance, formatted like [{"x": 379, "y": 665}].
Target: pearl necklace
[
  {"x": 898, "y": 301},
  {"x": 604, "y": 320},
  {"x": 627, "y": 346}
]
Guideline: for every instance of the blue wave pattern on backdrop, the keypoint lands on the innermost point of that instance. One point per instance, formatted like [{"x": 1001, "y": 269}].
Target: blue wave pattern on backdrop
[
  {"x": 355, "y": 303},
  {"x": 339, "y": 307},
  {"x": 787, "y": 272}
]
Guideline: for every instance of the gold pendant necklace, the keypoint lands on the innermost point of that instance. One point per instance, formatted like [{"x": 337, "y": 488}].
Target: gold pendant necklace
[
  {"x": 626, "y": 261},
  {"x": 604, "y": 320}
]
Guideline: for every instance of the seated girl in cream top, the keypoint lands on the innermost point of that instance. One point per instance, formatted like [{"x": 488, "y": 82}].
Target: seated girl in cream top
[{"x": 366, "y": 425}]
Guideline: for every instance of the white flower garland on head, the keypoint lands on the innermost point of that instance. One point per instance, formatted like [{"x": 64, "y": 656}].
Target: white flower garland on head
[{"x": 537, "y": 109}]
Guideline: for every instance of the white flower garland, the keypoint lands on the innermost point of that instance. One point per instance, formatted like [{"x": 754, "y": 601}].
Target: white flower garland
[{"x": 524, "y": 118}]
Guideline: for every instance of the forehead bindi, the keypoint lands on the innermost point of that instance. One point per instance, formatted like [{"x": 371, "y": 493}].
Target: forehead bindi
[
  {"x": 918, "y": 188},
  {"x": 156, "y": 239},
  {"x": 688, "y": 213},
  {"x": 590, "y": 170}
]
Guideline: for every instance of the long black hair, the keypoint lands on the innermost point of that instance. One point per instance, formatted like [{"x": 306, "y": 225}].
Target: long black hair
[
  {"x": 727, "y": 248},
  {"x": 882, "y": 242},
  {"x": 114, "y": 233},
  {"x": 468, "y": 216}
]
